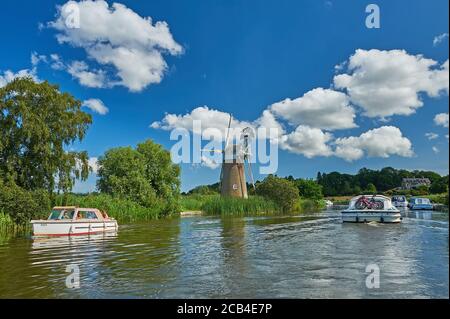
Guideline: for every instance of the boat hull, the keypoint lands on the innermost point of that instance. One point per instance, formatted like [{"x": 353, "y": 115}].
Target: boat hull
[
  {"x": 72, "y": 228},
  {"x": 421, "y": 207},
  {"x": 400, "y": 204},
  {"x": 365, "y": 216}
]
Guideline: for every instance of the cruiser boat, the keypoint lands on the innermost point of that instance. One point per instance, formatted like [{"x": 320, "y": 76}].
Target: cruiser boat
[
  {"x": 399, "y": 201},
  {"x": 71, "y": 220},
  {"x": 371, "y": 208},
  {"x": 420, "y": 203}
]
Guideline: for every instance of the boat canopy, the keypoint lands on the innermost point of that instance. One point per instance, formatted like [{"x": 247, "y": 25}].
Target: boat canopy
[
  {"x": 387, "y": 204},
  {"x": 399, "y": 198}
]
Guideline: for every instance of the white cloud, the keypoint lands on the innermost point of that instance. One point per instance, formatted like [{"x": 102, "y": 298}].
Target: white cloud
[
  {"x": 37, "y": 58},
  {"x": 8, "y": 75},
  {"x": 93, "y": 164},
  {"x": 441, "y": 119},
  {"x": 90, "y": 78},
  {"x": 208, "y": 162},
  {"x": 215, "y": 122},
  {"x": 116, "y": 36},
  {"x": 56, "y": 62},
  {"x": 435, "y": 150},
  {"x": 96, "y": 106},
  {"x": 431, "y": 136},
  {"x": 307, "y": 141},
  {"x": 439, "y": 38},
  {"x": 385, "y": 83},
  {"x": 380, "y": 142},
  {"x": 318, "y": 108}
]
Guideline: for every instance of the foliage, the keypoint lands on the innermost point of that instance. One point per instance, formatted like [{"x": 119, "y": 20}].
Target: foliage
[
  {"x": 388, "y": 178},
  {"x": 309, "y": 189},
  {"x": 37, "y": 122},
  {"x": 371, "y": 189},
  {"x": 204, "y": 190},
  {"x": 22, "y": 205},
  {"x": 281, "y": 191},
  {"x": 144, "y": 175},
  {"x": 439, "y": 186}
]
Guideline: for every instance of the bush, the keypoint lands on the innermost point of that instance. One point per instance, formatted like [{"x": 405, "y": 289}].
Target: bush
[
  {"x": 22, "y": 205},
  {"x": 309, "y": 189},
  {"x": 282, "y": 192}
]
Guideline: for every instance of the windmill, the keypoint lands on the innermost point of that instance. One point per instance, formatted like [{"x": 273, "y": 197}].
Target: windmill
[{"x": 232, "y": 174}]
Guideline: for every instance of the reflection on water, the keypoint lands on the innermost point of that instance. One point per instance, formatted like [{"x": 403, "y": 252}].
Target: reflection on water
[{"x": 307, "y": 256}]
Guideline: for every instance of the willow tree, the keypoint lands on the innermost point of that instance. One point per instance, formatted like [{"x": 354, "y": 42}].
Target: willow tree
[{"x": 37, "y": 125}]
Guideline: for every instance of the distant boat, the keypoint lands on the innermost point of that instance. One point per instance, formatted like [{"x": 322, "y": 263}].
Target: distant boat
[
  {"x": 371, "y": 208},
  {"x": 416, "y": 203},
  {"x": 399, "y": 201},
  {"x": 71, "y": 220},
  {"x": 328, "y": 203}
]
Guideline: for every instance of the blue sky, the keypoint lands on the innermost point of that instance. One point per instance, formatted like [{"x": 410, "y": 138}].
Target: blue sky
[{"x": 242, "y": 57}]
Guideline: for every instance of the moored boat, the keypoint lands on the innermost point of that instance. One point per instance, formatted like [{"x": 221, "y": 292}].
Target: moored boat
[
  {"x": 400, "y": 201},
  {"x": 371, "y": 208},
  {"x": 328, "y": 203},
  {"x": 71, "y": 220},
  {"x": 420, "y": 203}
]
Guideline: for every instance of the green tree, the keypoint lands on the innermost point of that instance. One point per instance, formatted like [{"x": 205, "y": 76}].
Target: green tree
[
  {"x": 145, "y": 175},
  {"x": 281, "y": 191},
  {"x": 439, "y": 186},
  {"x": 309, "y": 189},
  {"x": 371, "y": 189},
  {"x": 37, "y": 123}
]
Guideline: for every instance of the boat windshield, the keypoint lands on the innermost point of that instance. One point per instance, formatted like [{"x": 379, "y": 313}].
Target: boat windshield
[
  {"x": 61, "y": 214},
  {"x": 55, "y": 214}
]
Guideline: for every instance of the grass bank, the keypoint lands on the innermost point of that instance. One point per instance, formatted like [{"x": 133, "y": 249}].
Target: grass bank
[{"x": 254, "y": 205}]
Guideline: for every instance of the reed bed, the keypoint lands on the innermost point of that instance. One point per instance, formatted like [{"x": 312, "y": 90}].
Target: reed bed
[{"x": 231, "y": 206}]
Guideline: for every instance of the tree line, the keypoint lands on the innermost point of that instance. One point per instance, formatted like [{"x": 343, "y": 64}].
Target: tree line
[{"x": 383, "y": 180}]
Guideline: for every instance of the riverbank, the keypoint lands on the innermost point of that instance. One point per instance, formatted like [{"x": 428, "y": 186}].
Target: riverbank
[{"x": 253, "y": 205}]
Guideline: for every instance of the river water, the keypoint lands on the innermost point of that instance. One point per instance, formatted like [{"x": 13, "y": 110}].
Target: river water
[{"x": 307, "y": 256}]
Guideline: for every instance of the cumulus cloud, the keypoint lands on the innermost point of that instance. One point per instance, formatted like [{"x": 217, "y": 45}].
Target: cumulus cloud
[
  {"x": 435, "y": 150},
  {"x": 439, "y": 39},
  {"x": 441, "y": 119},
  {"x": 8, "y": 75},
  {"x": 386, "y": 83},
  {"x": 209, "y": 163},
  {"x": 214, "y": 123},
  {"x": 307, "y": 141},
  {"x": 96, "y": 106},
  {"x": 318, "y": 108},
  {"x": 431, "y": 136},
  {"x": 380, "y": 142},
  {"x": 117, "y": 39}
]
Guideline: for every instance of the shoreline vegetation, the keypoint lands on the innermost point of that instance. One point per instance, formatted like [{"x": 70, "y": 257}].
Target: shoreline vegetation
[{"x": 39, "y": 125}]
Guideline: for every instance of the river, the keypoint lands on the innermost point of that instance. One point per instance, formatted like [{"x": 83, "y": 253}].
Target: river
[{"x": 308, "y": 256}]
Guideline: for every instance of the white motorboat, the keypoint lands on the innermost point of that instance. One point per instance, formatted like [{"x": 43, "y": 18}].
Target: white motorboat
[
  {"x": 400, "y": 201},
  {"x": 71, "y": 220},
  {"x": 328, "y": 203},
  {"x": 416, "y": 203},
  {"x": 371, "y": 208}
]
